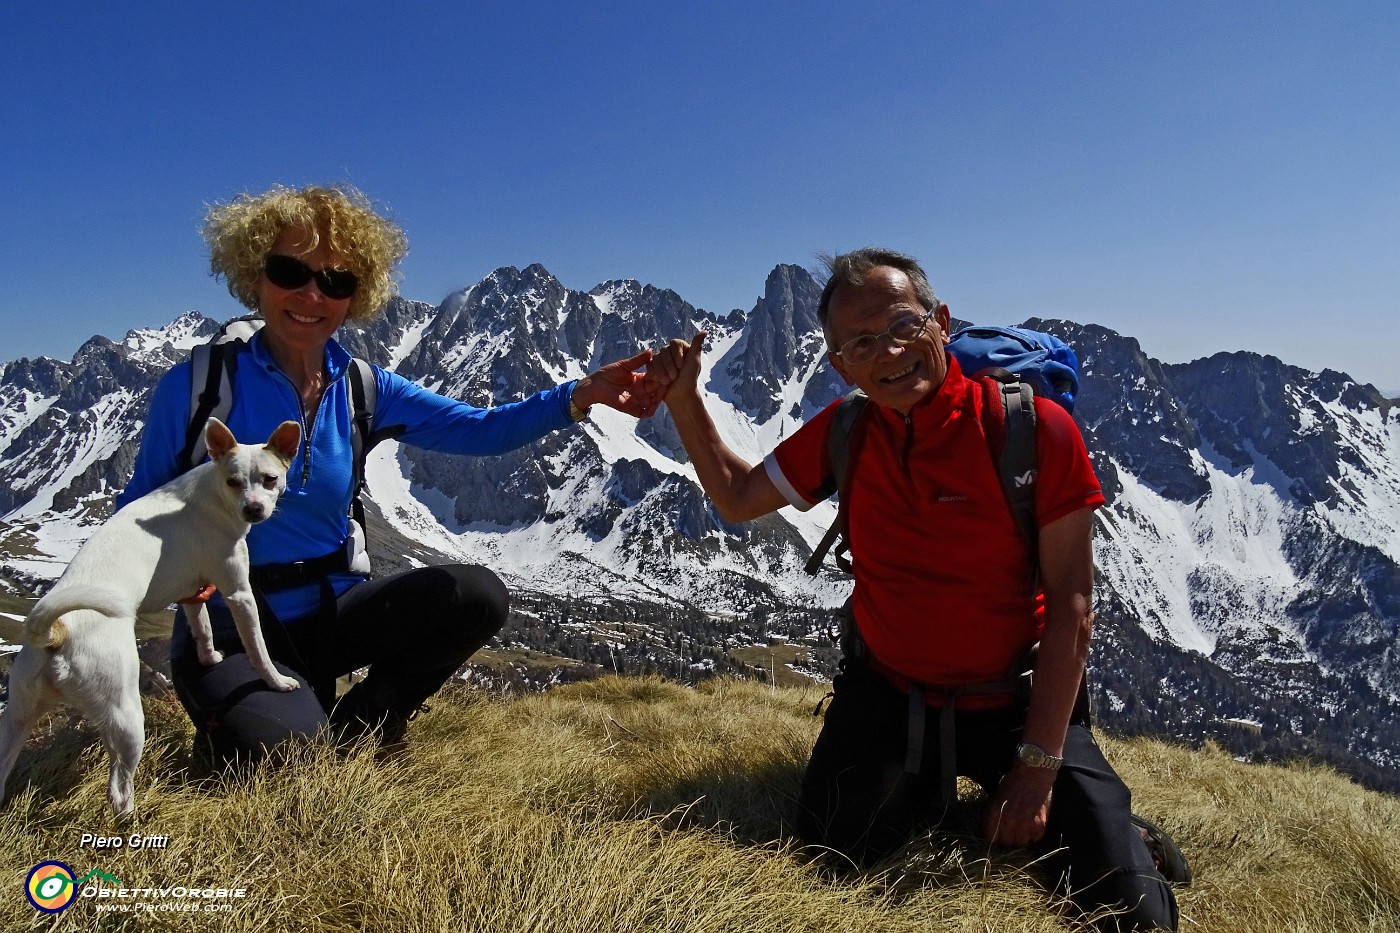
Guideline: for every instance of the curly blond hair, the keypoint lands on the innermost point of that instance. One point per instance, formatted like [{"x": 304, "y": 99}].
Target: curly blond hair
[{"x": 242, "y": 232}]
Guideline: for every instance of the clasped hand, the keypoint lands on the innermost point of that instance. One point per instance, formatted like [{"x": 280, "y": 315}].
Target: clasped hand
[{"x": 619, "y": 385}]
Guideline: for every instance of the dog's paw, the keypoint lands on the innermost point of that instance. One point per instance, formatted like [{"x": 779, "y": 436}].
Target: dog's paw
[
  {"x": 211, "y": 657},
  {"x": 284, "y": 684}
]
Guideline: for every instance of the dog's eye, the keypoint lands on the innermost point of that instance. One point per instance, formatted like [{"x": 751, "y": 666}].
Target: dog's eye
[
  {"x": 269, "y": 482},
  {"x": 234, "y": 482}
]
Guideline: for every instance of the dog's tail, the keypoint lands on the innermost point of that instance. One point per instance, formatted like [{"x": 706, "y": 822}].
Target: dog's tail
[{"x": 43, "y": 627}]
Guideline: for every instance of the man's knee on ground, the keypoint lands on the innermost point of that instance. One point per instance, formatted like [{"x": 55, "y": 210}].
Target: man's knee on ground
[
  {"x": 1128, "y": 899},
  {"x": 848, "y": 837}
]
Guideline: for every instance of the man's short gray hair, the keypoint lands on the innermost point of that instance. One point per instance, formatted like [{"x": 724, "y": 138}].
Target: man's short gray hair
[{"x": 851, "y": 269}]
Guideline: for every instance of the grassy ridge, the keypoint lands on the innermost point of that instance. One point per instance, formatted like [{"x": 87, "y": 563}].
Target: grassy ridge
[{"x": 639, "y": 805}]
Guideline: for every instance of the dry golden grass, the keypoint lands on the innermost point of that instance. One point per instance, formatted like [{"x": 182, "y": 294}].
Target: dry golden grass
[{"x": 638, "y": 805}]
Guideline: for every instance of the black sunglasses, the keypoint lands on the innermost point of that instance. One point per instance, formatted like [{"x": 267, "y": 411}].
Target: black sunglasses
[{"x": 290, "y": 273}]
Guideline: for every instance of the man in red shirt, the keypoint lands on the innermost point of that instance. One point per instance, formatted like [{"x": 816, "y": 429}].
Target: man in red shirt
[{"x": 945, "y": 601}]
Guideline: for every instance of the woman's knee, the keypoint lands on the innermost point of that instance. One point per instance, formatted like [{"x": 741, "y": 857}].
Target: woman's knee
[
  {"x": 467, "y": 603},
  {"x": 468, "y": 589},
  {"x": 236, "y": 716},
  {"x": 484, "y": 591}
]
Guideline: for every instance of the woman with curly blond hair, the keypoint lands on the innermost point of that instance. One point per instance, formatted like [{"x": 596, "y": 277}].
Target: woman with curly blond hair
[{"x": 307, "y": 261}]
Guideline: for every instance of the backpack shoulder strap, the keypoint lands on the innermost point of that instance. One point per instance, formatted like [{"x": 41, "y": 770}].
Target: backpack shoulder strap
[
  {"x": 1008, "y": 411},
  {"x": 212, "y": 368},
  {"x": 211, "y": 396},
  {"x": 363, "y": 394},
  {"x": 840, "y": 441}
]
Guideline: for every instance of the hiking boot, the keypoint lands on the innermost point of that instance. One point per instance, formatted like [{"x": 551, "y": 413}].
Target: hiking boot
[
  {"x": 1166, "y": 857},
  {"x": 365, "y": 710},
  {"x": 393, "y": 732}
]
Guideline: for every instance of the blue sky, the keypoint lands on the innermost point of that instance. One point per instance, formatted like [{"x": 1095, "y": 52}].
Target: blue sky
[{"x": 1200, "y": 176}]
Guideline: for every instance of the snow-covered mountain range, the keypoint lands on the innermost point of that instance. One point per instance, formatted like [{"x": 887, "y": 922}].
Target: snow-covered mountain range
[{"x": 1249, "y": 553}]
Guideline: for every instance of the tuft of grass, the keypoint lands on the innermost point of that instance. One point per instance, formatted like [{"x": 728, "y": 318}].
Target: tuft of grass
[{"x": 636, "y": 805}]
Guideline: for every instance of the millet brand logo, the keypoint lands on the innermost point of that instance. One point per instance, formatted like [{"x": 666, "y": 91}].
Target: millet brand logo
[{"x": 1026, "y": 479}]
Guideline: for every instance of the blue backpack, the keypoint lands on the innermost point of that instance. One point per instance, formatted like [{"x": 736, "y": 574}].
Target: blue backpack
[{"x": 1044, "y": 361}]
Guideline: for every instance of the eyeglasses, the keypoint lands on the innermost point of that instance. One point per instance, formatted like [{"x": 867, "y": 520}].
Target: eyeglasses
[
  {"x": 902, "y": 332},
  {"x": 290, "y": 273}
]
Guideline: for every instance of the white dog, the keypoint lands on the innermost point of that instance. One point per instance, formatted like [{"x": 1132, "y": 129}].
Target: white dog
[{"x": 79, "y": 641}]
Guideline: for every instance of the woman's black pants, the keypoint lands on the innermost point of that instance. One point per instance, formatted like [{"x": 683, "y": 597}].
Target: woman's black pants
[{"x": 413, "y": 630}]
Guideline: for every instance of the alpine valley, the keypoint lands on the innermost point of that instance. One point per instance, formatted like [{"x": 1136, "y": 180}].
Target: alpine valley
[{"x": 1248, "y": 587}]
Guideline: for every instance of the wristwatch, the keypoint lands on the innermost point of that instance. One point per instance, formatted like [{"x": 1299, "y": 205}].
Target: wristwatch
[{"x": 1033, "y": 756}]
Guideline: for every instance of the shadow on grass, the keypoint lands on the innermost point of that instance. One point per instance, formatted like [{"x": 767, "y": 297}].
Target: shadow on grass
[
  {"x": 754, "y": 806},
  {"x": 51, "y": 762}
]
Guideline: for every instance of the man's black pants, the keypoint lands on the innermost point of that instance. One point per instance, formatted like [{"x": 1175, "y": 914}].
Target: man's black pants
[
  {"x": 857, "y": 800},
  {"x": 413, "y": 630}
]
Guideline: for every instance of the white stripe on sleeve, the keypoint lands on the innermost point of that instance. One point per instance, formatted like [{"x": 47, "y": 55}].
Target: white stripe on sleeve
[{"x": 775, "y": 473}]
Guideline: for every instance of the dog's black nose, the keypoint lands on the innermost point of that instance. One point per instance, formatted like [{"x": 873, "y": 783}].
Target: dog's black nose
[{"x": 254, "y": 513}]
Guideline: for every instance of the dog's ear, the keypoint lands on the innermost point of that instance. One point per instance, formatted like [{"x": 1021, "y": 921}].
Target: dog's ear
[
  {"x": 284, "y": 441},
  {"x": 218, "y": 438}
]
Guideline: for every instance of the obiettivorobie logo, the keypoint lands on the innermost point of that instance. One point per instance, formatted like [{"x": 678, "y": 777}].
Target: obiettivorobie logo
[{"x": 51, "y": 886}]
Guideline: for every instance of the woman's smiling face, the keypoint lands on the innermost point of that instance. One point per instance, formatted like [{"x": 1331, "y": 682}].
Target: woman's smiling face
[{"x": 301, "y": 320}]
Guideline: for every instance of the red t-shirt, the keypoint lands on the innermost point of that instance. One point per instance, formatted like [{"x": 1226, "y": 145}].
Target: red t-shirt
[{"x": 942, "y": 574}]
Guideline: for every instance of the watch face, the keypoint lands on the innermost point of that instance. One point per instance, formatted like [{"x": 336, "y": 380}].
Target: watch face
[{"x": 1036, "y": 757}]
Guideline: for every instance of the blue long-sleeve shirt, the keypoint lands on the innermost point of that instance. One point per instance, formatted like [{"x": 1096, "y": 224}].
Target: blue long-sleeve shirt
[{"x": 311, "y": 518}]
